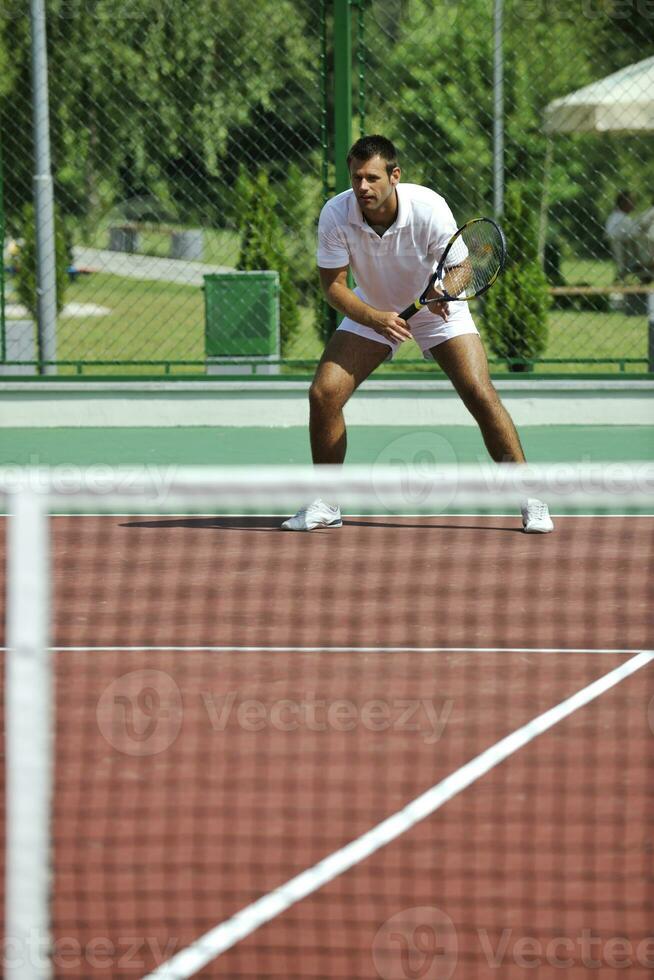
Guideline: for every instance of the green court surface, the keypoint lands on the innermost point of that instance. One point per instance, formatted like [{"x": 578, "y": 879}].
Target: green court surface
[{"x": 366, "y": 444}]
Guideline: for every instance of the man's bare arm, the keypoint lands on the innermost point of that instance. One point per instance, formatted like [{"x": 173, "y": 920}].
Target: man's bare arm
[
  {"x": 339, "y": 295},
  {"x": 458, "y": 277},
  {"x": 455, "y": 281}
]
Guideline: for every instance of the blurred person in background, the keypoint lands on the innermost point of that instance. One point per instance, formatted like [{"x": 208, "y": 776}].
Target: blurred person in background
[{"x": 620, "y": 230}]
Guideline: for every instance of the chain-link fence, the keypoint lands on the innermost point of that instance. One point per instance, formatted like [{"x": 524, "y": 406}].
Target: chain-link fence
[
  {"x": 186, "y": 140},
  {"x": 193, "y": 139},
  {"x": 431, "y": 79}
]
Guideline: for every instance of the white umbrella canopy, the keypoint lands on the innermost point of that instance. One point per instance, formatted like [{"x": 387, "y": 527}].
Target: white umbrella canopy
[{"x": 621, "y": 102}]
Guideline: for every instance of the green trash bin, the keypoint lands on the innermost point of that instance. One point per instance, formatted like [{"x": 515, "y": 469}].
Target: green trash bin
[{"x": 242, "y": 322}]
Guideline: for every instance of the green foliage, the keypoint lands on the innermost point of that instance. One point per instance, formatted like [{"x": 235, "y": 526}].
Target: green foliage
[
  {"x": 299, "y": 202},
  {"x": 166, "y": 99},
  {"x": 263, "y": 246},
  {"x": 515, "y": 308},
  {"x": 26, "y": 273},
  {"x": 325, "y": 318},
  {"x": 438, "y": 107},
  {"x": 158, "y": 97},
  {"x": 158, "y": 104}
]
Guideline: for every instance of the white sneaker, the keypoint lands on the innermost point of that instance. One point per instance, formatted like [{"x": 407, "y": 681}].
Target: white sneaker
[
  {"x": 317, "y": 514},
  {"x": 536, "y": 517}
]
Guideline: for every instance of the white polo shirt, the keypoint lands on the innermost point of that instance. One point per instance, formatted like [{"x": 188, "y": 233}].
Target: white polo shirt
[{"x": 392, "y": 270}]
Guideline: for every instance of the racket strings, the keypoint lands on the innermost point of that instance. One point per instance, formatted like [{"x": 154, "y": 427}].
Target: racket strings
[{"x": 475, "y": 259}]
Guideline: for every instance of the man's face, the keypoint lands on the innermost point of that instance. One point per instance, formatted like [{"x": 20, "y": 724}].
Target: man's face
[{"x": 370, "y": 182}]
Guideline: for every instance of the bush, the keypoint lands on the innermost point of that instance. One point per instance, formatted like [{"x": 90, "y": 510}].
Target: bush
[
  {"x": 326, "y": 318},
  {"x": 299, "y": 197},
  {"x": 301, "y": 200},
  {"x": 515, "y": 309},
  {"x": 263, "y": 246},
  {"x": 26, "y": 271},
  {"x": 594, "y": 303}
]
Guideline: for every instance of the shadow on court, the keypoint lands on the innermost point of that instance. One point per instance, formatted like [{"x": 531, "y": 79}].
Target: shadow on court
[
  {"x": 217, "y": 523},
  {"x": 273, "y": 524}
]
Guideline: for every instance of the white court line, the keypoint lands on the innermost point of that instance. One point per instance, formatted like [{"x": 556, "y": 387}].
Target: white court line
[
  {"x": 319, "y": 649},
  {"x": 205, "y": 949}
]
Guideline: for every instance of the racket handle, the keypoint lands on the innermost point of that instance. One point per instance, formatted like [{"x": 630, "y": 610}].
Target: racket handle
[{"x": 410, "y": 310}]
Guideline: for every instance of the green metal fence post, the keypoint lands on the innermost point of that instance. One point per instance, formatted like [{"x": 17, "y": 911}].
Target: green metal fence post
[
  {"x": 342, "y": 96},
  {"x": 324, "y": 102},
  {"x": 361, "y": 66},
  {"x": 327, "y": 317},
  {"x": 342, "y": 91}
]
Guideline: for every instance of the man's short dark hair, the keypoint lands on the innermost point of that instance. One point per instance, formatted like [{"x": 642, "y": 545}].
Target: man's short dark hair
[
  {"x": 623, "y": 199},
  {"x": 374, "y": 146}
]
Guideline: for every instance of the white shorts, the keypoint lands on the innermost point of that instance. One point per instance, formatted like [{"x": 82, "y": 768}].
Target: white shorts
[{"x": 427, "y": 329}]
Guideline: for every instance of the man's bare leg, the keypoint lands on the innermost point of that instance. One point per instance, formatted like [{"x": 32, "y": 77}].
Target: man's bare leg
[
  {"x": 464, "y": 361},
  {"x": 347, "y": 361}
]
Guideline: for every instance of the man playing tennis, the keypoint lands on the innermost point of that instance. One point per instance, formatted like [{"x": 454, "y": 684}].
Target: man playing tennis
[{"x": 391, "y": 236}]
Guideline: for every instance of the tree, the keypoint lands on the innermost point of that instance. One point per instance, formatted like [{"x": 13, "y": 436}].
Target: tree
[
  {"x": 158, "y": 88},
  {"x": 438, "y": 107},
  {"x": 263, "y": 246},
  {"x": 515, "y": 308},
  {"x": 299, "y": 198}
]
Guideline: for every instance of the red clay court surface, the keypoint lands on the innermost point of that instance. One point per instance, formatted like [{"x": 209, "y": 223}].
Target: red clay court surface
[{"x": 191, "y": 782}]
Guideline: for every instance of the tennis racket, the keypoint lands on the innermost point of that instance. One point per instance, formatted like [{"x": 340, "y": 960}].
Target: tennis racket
[{"x": 472, "y": 261}]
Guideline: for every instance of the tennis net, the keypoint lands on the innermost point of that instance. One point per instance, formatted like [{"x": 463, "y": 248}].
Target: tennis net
[{"x": 417, "y": 746}]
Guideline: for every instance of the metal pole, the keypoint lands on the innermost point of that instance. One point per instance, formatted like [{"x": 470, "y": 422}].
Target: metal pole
[
  {"x": 498, "y": 109},
  {"x": 342, "y": 91},
  {"x": 46, "y": 274},
  {"x": 3, "y": 338},
  {"x": 650, "y": 332}
]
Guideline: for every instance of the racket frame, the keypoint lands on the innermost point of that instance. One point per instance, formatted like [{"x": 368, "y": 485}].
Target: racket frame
[{"x": 422, "y": 301}]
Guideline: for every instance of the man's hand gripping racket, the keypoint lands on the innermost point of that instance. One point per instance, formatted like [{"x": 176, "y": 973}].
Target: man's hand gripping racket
[{"x": 473, "y": 259}]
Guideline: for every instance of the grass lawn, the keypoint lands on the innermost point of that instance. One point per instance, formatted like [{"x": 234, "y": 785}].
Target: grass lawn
[
  {"x": 148, "y": 321},
  {"x": 572, "y": 333},
  {"x": 594, "y": 272},
  {"x": 165, "y": 321},
  {"x": 221, "y": 246}
]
